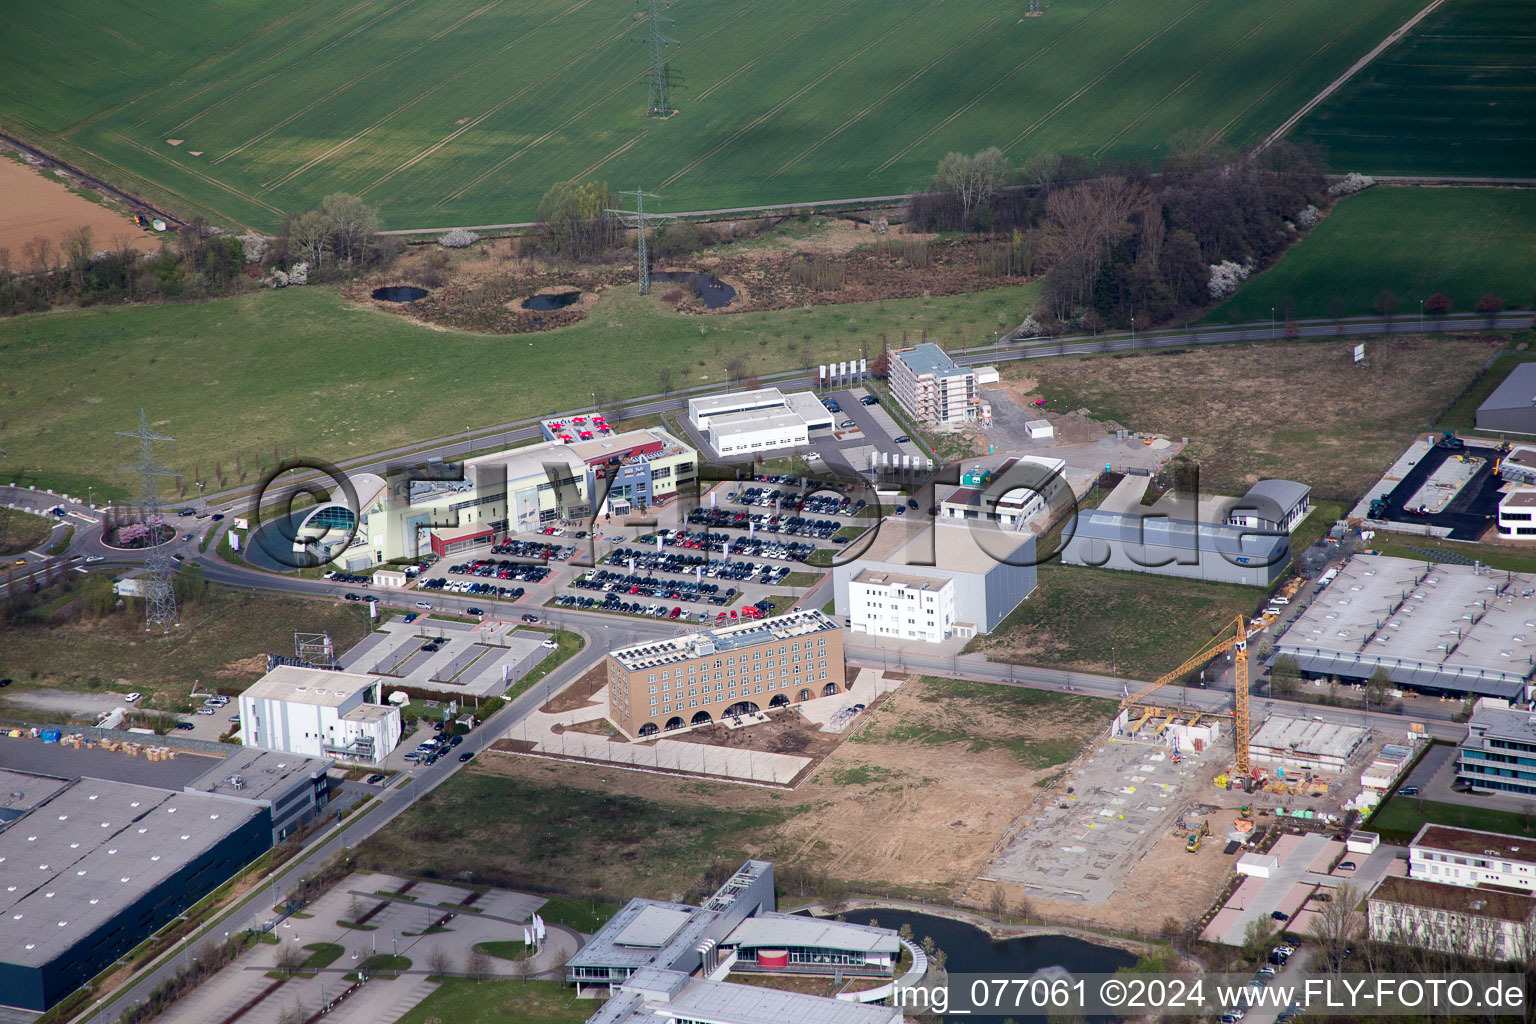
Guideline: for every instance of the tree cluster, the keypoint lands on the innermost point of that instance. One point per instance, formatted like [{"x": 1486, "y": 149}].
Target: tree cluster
[
  {"x": 575, "y": 223},
  {"x": 1117, "y": 244},
  {"x": 210, "y": 958}
]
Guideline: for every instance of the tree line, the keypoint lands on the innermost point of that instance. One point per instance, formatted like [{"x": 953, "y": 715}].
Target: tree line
[{"x": 336, "y": 240}]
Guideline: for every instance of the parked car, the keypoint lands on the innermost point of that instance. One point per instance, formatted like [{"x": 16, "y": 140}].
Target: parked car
[
  {"x": 207, "y": 711},
  {"x": 373, "y": 780},
  {"x": 474, "y": 611},
  {"x": 424, "y": 604},
  {"x": 466, "y": 756},
  {"x": 551, "y": 644},
  {"x": 869, "y": 400},
  {"x": 912, "y": 504},
  {"x": 91, "y": 559},
  {"x": 1347, "y": 865},
  {"x": 352, "y": 597},
  {"x": 1409, "y": 791},
  {"x": 846, "y": 424},
  {"x": 135, "y": 695},
  {"x": 410, "y": 617},
  {"x": 530, "y": 618},
  {"x": 185, "y": 726},
  {"x": 903, "y": 439},
  {"x": 456, "y": 741},
  {"x": 1279, "y": 915}
]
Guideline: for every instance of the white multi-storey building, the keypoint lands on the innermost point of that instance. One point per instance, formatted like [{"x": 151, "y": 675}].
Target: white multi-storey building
[
  {"x": 1467, "y": 891},
  {"x": 319, "y": 713},
  {"x": 1517, "y": 513},
  {"x": 903, "y": 606},
  {"x": 933, "y": 389}
]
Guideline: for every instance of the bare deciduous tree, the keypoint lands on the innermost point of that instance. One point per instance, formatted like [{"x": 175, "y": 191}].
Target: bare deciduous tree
[
  {"x": 438, "y": 962},
  {"x": 477, "y": 963}
]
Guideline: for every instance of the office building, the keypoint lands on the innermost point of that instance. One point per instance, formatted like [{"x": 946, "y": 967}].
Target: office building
[
  {"x": 1275, "y": 506},
  {"x": 731, "y": 671},
  {"x": 662, "y": 961},
  {"x": 89, "y": 869},
  {"x": 1011, "y": 496},
  {"x": 318, "y": 714},
  {"x": 1499, "y": 753},
  {"x": 933, "y": 389},
  {"x": 1472, "y": 857},
  {"x": 904, "y": 606},
  {"x": 1517, "y": 513}
]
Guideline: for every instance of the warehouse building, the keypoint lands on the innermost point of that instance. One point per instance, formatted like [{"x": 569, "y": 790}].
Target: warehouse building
[
  {"x": 293, "y": 790},
  {"x": 1499, "y": 753},
  {"x": 981, "y": 574},
  {"x": 1214, "y": 552},
  {"x": 1518, "y": 466},
  {"x": 1511, "y": 409},
  {"x": 763, "y": 419},
  {"x": 1453, "y": 629},
  {"x": 318, "y": 713},
  {"x": 933, "y": 389},
  {"x": 93, "y": 868},
  {"x": 729, "y": 672},
  {"x": 661, "y": 961}
]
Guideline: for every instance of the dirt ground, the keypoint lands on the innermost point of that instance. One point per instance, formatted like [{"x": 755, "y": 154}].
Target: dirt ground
[
  {"x": 38, "y": 203},
  {"x": 1298, "y": 410},
  {"x": 914, "y": 799}
]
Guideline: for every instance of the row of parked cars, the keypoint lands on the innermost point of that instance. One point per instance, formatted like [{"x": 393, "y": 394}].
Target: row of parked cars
[
  {"x": 744, "y": 571},
  {"x": 431, "y": 750},
  {"x": 1277, "y": 960},
  {"x": 490, "y": 568},
  {"x": 535, "y": 549},
  {"x": 637, "y": 585},
  {"x": 347, "y": 577},
  {"x": 468, "y": 587},
  {"x": 817, "y": 503},
  {"x": 613, "y": 602}
]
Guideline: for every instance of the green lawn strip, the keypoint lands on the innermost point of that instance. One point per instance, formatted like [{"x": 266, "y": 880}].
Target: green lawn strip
[
  {"x": 1413, "y": 242},
  {"x": 569, "y": 645},
  {"x": 801, "y": 579},
  {"x": 246, "y": 411},
  {"x": 1498, "y": 556},
  {"x": 1102, "y": 620},
  {"x": 1399, "y": 818},
  {"x": 510, "y": 949},
  {"x": 586, "y": 916},
  {"x": 22, "y": 531},
  {"x": 380, "y": 963},
  {"x": 501, "y": 1001}
]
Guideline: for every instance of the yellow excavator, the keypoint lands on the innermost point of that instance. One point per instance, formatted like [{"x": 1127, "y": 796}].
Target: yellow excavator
[{"x": 1232, "y": 638}]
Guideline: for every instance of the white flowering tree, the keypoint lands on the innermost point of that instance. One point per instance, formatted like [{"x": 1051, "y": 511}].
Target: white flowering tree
[
  {"x": 254, "y": 247},
  {"x": 1351, "y": 183},
  {"x": 458, "y": 238},
  {"x": 1308, "y": 217},
  {"x": 278, "y": 279},
  {"x": 1225, "y": 277},
  {"x": 299, "y": 274}
]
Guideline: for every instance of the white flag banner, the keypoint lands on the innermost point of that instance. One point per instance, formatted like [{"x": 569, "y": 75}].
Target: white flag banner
[
  {"x": 631, "y": 563},
  {"x": 658, "y": 543},
  {"x": 527, "y": 937},
  {"x": 863, "y": 366},
  {"x": 821, "y": 373},
  {"x": 751, "y": 530},
  {"x": 373, "y": 610},
  {"x": 711, "y": 499}
]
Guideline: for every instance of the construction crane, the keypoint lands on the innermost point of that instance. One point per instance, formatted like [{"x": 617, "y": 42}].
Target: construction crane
[{"x": 1238, "y": 643}]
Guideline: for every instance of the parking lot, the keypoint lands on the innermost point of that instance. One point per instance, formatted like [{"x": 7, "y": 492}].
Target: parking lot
[
  {"x": 873, "y": 431},
  {"x": 458, "y": 659}
]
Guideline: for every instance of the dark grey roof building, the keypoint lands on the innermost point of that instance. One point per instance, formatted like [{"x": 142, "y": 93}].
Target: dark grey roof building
[
  {"x": 1271, "y": 505},
  {"x": 1511, "y": 409},
  {"x": 1176, "y": 547}
]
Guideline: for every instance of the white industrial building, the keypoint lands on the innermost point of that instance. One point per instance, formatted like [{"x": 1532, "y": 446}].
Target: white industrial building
[
  {"x": 934, "y": 389},
  {"x": 764, "y": 419},
  {"x": 904, "y": 606},
  {"x": 1459, "y": 629},
  {"x": 292, "y": 788},
  {"x": 1011, "y": 496},
  {"x": 1272, "y": 505},
  {"x": 318, "y": 713},
  {"x": 976, "y": 576}
]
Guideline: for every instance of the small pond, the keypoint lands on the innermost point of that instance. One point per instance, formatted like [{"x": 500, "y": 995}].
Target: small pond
[
  {"x": 557, "y": 300},
  {"x": 714, "y": 292},
  {"x": 399, "y": 293}
]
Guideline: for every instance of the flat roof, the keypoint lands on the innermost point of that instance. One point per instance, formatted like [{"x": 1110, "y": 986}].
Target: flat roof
[
  {"x": 1178, "y": 535},
  {"x": 809, "y": 408},
  {"x": 1500, "y": 904},
  {"x": 251, "y": 773},
  {"x": 22, "y": 791},
  {"x": 1518, "y": 390},
  {"x": 773, "y": 929},
  {"x": 1306, "y": 737},
  {"x": 1521, "y": 497},
  {"x": 1475, "y": 842},
  {"x": 1521, "y": 455},
  {"x": 605, "y": 949},
  {"x": 709, "y": 404},
  {"x": 452, "y": 533},
  {"x": 1441, "y": 626},
  {"x": 88, "y": 851},
  {"x": 753, "y": 1004},
  {"x": 929, "y": 358},
  {"x": 316, "y": 686},
  {"x": 955, "y": 547},
  {"x": 886, "y": 578},
  {"x": 652, "y": 927},
  {"x": 600, "y": 448},
  {"x": 768, "y": 418},
  {"x": 1502, "y": 722},
  {"x": 792, "y": 625}
]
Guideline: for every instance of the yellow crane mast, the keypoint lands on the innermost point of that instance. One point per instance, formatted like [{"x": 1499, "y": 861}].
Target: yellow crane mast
[{"x": 1238, "y": 643}]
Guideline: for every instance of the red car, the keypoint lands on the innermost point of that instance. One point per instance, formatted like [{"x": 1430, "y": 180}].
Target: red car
[
  {"x": 675, "y": 613},
  {"x": 586, "y": 435}
]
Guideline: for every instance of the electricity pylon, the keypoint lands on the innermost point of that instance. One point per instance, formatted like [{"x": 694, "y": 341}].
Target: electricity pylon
[
  {"x": 640, "y": 218},
  {"x": 661, "y": 101},
  {"x": 159, "y": 574}
]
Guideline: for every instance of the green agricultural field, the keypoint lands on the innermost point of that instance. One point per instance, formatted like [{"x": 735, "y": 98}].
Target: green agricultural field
[
  {"x": 464, "y": 112},
  {"x": 305, "y": 369},
  {"x": 1410, "y": 241},
  {"x": 1456, "y": 96}
]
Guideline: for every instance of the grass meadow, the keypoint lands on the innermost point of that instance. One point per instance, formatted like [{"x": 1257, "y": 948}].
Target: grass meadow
[
  {"x": 1411, "y": 241},
  {"x": 238, "y": 380},
  {"x": 464, "y": 112},
  {"x": 1456, "y": 96}
]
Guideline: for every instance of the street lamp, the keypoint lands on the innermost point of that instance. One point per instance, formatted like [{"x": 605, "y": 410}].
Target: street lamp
[
  {"x": 1421, "y": 314},
  {"x": 1271, "y": 323}
]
